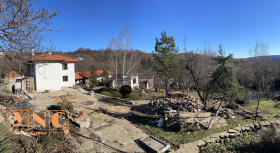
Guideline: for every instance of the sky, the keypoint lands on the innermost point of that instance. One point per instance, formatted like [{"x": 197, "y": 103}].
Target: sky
[{"x": 236, "y": 24}]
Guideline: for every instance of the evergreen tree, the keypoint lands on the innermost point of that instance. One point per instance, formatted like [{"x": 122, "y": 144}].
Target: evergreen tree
[
  {"x": 93, "y": 77},
  {"x": 163, "y": 62},
  {"x": 224, "y": 81},
  {"x": 104, "y": 75}
]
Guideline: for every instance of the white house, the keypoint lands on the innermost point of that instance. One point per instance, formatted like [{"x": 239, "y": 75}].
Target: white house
[
  {"x": 132, "y": 81},
  {"x": 51, "y": 72}
]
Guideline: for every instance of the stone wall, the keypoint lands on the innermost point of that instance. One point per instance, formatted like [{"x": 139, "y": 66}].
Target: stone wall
[{"x": 239, "y": 131}]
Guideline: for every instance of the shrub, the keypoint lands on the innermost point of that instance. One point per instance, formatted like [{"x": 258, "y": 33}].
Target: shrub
[
  {"x": 106, "y": 93},
  {"x": 116, "y": 94},
  {"x": 134, "y": 96},
  {"x": 66, "y": 105},
  {"x": 125, "y": 90},
  {"x": 271, "y": 139},
  {"x": 48, "y": 142},
  {"x": 5, "y": 139}
]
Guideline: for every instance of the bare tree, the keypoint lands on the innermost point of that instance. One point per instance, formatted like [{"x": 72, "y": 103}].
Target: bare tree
[
  {"x": 263, "y": 71},
  {"x": 201, "y": 66},
  {"x": 122, "y": 58},
  {"x": 114, "y": 55},
  {"x": 23, "y": 28}
]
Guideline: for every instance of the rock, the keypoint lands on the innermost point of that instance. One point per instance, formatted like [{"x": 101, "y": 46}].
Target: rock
[
  {"x": 238, "y": 128},
  {"x": 82, "y": 123},
  {"x": 201, "y": 143},
  {"x": 267, "y": 123},
  {"x": 252, "y": 126},
  {"x": 256, "y": 125},
  {"x": 231, "y": 131},
  {"x": 224, "y": 135},
  {"x": 262, "y": 123}
]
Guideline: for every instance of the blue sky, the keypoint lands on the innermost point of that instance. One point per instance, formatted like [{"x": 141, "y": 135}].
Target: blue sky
[{"x": 236, "y": 24}]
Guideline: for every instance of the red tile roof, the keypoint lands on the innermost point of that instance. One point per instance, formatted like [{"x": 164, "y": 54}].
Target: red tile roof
[
  {"x": 48, "y": 57},
  {"x": 86, "y": 74},
  {"x": 11, "y": 75}
]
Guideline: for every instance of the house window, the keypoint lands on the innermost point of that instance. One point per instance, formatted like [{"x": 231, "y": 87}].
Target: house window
[
  {"x": 65, "y": 78},
  {"x": 64, "y": 66},
  {"x": 134, "y": 81}
]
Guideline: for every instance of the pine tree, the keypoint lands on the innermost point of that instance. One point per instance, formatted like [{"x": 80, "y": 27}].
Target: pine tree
[
  {"x": 104, "y": 75},
  {"x": 163, "y": 62},
  {"x": 224, "y": 82}
]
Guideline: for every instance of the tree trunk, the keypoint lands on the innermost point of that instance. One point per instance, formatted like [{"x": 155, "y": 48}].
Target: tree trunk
[
  {"x": 259, "y": 101},
  {"x": 166, "y": 88},
  {"x": 214, "y": 117},
  {"x": 188, "y": 90},
  {"x": 124, "y": 63}
]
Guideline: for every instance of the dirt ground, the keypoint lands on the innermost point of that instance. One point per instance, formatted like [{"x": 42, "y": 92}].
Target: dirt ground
[
  {"x": 109, "y": 134},
  {"x": 109, "y": 131}
]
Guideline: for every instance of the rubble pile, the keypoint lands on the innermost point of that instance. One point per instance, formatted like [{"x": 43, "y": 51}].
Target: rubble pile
[
  {"x": 160, "y": 106},
  {"x": 247, "y": 114}
]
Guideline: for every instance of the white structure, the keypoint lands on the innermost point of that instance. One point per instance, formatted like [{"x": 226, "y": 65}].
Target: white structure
[
  {"x": 131, "y": 81},
  {"x": 51, "y": 72}
]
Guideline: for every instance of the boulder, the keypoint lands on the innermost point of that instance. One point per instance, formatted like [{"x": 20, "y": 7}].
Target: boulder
[
  {"x": 201, "y": 143},
  {"x": 82, "y": 123},
  {"x": 231, "y": 131}
]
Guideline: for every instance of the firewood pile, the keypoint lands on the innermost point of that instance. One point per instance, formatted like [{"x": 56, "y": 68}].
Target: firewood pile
[{"x": 160, "y": 106}]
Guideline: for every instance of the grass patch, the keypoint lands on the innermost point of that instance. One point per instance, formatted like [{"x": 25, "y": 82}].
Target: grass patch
[
  {"x": 134, "y": 96},
  {"x": 267, "y": 107},
  {"x": 157, "y": 94},
  {"x": 110, "y": 121},
  {"x": 194, "y": 94},
  {"x": 177, "y": 138}
]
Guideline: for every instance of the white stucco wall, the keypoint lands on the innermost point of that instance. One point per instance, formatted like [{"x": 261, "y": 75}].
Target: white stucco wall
[
  {"x": 48, "y": 76},
  {"x": 70, "y": 72}
]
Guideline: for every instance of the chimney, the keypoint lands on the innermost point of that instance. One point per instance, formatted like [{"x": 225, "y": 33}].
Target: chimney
[{"x": 32, "y": 53}]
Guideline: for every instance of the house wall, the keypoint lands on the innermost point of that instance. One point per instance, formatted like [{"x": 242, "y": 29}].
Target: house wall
[
  {"x": 134, "y": 85},
  {"x": 48, "y": 76},
  {"x": 70, "y": 72}
]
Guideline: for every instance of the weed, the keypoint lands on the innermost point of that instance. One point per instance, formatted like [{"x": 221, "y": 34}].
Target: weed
[
  {"x": 5, "y": 139},
  {"x": 110, "y": 121}
]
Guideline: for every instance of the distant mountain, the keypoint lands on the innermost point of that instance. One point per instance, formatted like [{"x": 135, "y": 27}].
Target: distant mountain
[{"x": 272, "y": 57}]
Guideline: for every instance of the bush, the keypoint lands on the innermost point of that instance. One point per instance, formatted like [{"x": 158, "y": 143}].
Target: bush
[
  {"x": 134, "y": 96},
  {"x": 125, "y": 90},
  {"x": 48, "y": 142},
  {"x": 271, "y": 139},
  {"x": 5, "y": 139},
  {"x": 116, "y": 94},
  {"x": 66, "y": 105}
]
